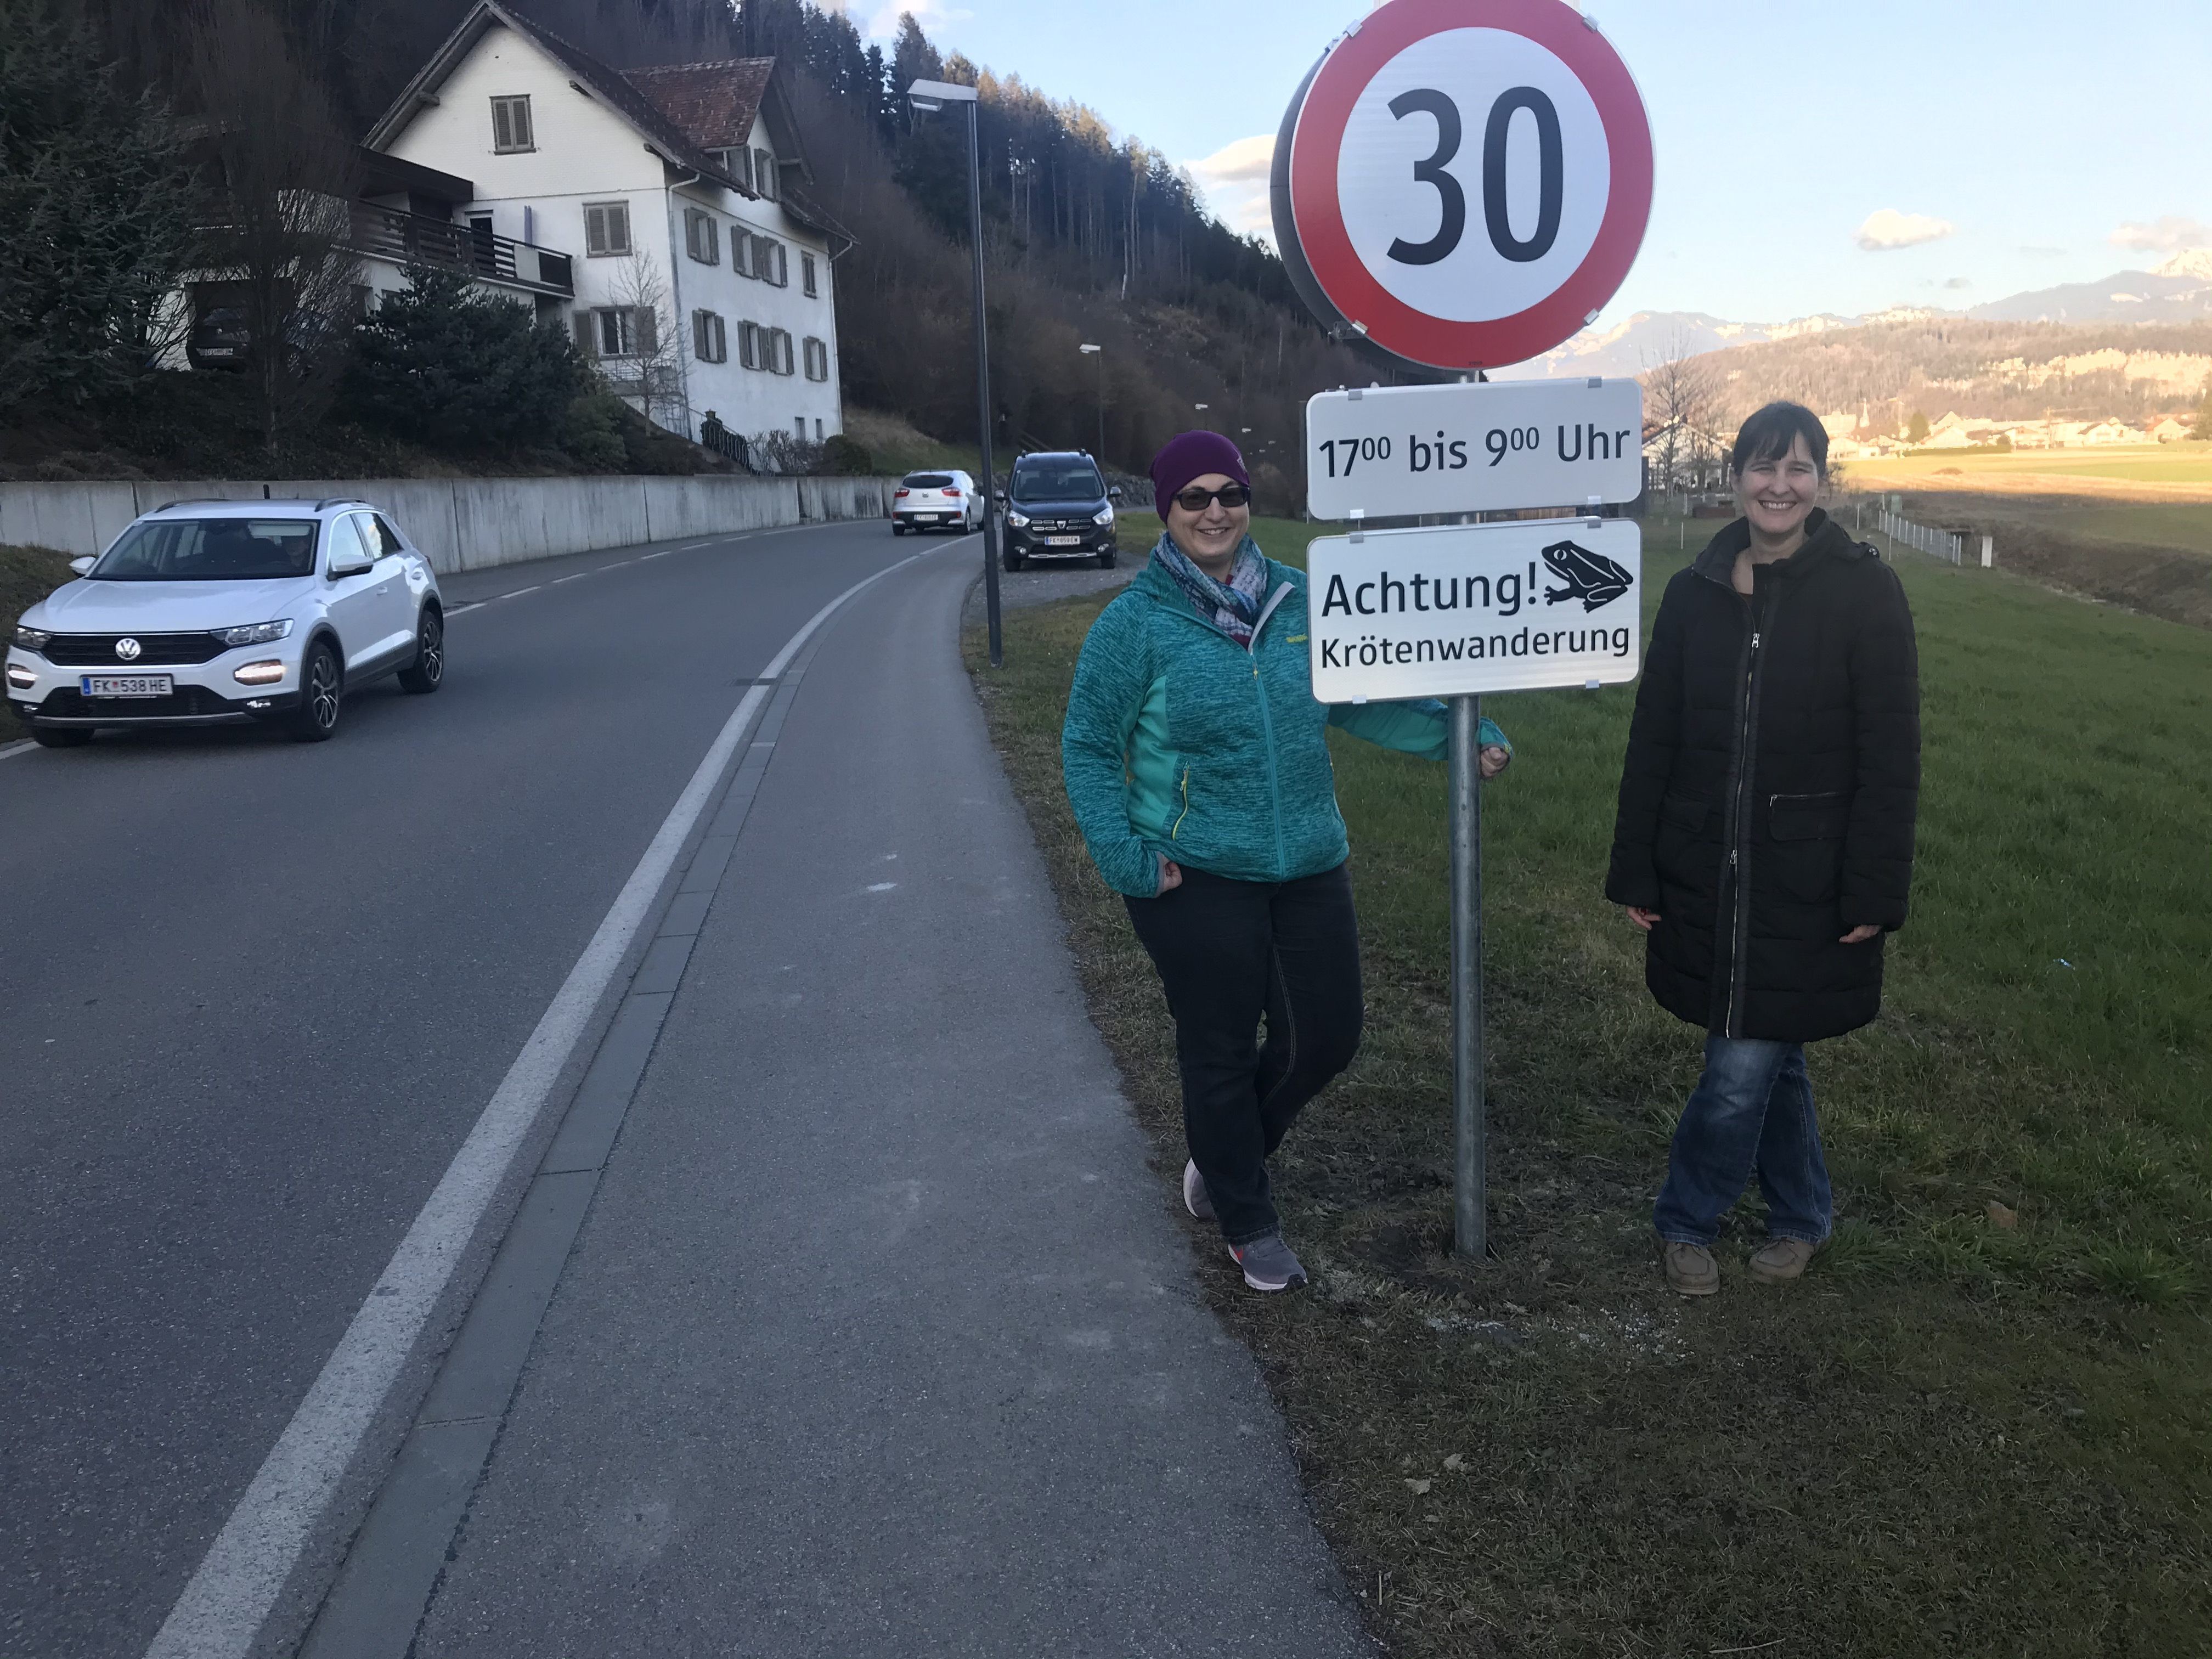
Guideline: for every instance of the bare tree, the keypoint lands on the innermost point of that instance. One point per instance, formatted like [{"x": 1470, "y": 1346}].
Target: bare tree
[
  {"x": 1680, "y": 399},
  {"x": 640, "y": 361},
  {"x": 284, "y": 177}
]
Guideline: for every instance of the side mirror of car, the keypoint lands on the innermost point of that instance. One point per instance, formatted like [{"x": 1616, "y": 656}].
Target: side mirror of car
[
  {"x": 1115, "y": 494},
  {"x": 999, "y": 496},
  {"x": 82, "y": 564},
  {"x": 350, "y": 564}
]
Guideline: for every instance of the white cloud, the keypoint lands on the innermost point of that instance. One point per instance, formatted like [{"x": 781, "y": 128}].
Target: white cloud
[
  {"x": 1234, "y": 182},
  {"x": 1246, "y": 161},
  {"x": 1885, "y": 229},
  {"x": 2167, "y": 235},
  {"x": 931, "y": 14}
]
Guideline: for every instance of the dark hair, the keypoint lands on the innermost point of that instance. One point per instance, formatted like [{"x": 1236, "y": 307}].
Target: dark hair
[{"x": 1768, "y": 434}]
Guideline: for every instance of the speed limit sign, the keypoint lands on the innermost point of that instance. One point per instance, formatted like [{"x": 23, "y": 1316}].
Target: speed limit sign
[{"x": 1464, "y": 182}]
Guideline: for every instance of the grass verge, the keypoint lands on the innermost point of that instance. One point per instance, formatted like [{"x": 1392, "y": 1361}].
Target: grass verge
[
  {"x": 28, "y": 574},
  {"x": 1980, "y": 1425}
]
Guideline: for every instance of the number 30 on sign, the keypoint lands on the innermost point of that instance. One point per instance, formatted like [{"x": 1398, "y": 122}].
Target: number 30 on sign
[{"x": 1464, "y": 182}]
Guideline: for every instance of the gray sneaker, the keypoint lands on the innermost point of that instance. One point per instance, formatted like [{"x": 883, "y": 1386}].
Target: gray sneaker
[
  {"x": 1194, "y": 1193},
  {"x": 1268, "y": 1264}
]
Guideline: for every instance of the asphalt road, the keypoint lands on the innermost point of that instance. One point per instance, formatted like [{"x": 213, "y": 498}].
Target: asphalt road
[
  {"x": 868, "y": 1332},
  {"x": 252, "y": 995}
]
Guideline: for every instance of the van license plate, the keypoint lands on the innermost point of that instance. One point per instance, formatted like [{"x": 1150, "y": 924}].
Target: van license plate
[
  {"x": 125, "y": 685},
  {"x": 1063, "y": 541}
]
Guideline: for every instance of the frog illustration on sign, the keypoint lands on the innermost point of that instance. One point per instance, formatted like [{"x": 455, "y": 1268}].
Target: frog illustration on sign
[{"x": 1590, "y": 577}]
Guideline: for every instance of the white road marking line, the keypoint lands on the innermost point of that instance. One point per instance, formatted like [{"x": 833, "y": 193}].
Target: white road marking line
[
  {"x": 8, "y": 749},
  {"x": 688, "y": 546},
  {"x": 459, "y": 610},
  {"x": 573, "y": 576},
  {"x": 518, "y": 592},
  {"x": 663, "y": 554},
  {"x": 228, "y": 1597}
]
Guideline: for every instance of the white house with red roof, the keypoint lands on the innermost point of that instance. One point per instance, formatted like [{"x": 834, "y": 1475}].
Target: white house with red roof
[{"x": 701, "y": 273}]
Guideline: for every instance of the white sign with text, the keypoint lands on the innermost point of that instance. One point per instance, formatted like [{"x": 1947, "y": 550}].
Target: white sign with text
[
  {"x": 1401, "y": 450},
  {"x": 1458, "y": 609}
]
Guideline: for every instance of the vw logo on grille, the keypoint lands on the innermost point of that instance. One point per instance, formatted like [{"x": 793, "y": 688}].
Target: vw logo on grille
[{"x": 128, "y": 648}]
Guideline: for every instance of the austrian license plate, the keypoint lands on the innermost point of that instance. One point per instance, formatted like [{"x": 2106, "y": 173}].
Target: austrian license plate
[
  {"x": 126, "y": 685},
  {"x": 1063, "y": 541}
]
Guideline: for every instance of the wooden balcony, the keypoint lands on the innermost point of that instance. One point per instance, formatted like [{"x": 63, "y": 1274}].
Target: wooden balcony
[{"x": 415, "y": 238}]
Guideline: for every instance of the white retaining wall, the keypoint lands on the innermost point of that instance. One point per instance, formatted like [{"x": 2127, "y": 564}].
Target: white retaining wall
[{"x": 467, "y": 524}]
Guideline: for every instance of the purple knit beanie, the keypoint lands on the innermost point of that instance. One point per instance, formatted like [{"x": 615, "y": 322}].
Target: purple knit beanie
[{"x": 1193, "y": 455}]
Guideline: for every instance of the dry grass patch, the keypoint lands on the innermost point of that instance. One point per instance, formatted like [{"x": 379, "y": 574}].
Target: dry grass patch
[{"x": 1983, "y": 1424}]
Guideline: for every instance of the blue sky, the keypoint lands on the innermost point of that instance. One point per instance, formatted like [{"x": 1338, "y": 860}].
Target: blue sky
[{"x": 2038, "y": 132}]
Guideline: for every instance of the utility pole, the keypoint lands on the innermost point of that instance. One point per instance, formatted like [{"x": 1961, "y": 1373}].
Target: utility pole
[{"x": 929, "y": 97}]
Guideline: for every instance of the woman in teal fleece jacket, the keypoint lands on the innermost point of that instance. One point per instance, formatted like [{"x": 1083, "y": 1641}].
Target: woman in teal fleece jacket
[{"x": 1196, "y": 760}]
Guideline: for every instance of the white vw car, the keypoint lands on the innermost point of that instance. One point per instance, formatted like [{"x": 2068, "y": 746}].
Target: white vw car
[{"x": 206, "y": 613}]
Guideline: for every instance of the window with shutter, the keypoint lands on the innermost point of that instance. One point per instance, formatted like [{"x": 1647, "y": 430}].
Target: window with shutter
[
  {"x": 743, "y": 158},
  {"x": 648, "y": 331},
  {"x": 764, "y": 173},
  {"x": 806, "y": 273},
  {"x": 710, "y": 342},
  {"x": 764, "y": 258},
  {"x": 606, "y": 228},
  {"x": 618, "y": 332},
  {"x": 721, "y": 339},
  {"x": 818, "y": 359},
  {"x": 510, "y": 124},
  {"x": 588, "y": 337},
  {"x": 702, "y": 237},
  {"x": 699, "y": 348},
  {"x": 749, "y": 345},
  {"x": 782, "y": 266}
]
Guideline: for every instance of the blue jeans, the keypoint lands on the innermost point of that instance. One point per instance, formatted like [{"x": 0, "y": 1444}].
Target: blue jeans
[{"x": 1752, "y": 1108}]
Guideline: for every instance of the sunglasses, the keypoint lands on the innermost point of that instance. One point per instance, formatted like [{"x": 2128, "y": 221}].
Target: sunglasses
[{"x": 1195, "y": 500}]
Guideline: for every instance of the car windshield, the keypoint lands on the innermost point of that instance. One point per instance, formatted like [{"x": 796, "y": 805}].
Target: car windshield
[
  {"x": 928, "y": 481},
  {"x": 1074, "y": 482},
  {"x": 209, "y": 550}
]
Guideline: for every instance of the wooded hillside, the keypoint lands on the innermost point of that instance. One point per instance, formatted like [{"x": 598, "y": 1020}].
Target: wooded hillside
[{"x": 1091, "y": 236}]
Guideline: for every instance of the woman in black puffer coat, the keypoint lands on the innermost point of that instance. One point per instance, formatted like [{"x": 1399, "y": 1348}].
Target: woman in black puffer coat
[{"x": 1765, "y": 836}]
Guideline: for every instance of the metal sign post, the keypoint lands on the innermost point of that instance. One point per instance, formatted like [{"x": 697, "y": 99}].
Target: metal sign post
[
  {"x": 1470, "y": 1167},
  {"x": 1463, "y": 183}
]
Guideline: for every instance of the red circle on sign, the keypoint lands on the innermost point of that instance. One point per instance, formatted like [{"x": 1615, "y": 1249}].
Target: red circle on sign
[{"x": 1318, "y": 218}]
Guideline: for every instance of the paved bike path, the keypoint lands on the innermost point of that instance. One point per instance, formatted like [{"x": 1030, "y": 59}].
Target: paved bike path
[{"x": 879, "y": 1338}]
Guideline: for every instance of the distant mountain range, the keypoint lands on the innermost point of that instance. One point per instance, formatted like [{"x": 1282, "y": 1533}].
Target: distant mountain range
[{"x": 2180, "y": 290}]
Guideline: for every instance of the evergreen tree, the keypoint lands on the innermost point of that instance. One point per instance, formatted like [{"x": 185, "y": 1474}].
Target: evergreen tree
[
  {"x": 446, "y": 363},
  {"x": 99, "y": 209},
  {"x": 1918, "y": 430}
]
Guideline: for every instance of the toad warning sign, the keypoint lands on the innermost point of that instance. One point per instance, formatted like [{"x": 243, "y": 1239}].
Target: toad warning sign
[{"x": 1451, "y": 610}]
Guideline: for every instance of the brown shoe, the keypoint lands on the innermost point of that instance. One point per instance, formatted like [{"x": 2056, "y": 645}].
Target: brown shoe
[
  {"x": 1781, "y": 1259},
  {"x": 1690, "y": 1268}
]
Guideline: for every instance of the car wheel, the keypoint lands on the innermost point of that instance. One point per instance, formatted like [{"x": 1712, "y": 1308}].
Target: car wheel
[
  {"x": 61, "y": 737},
  {"x": 898, "y": 530},
  {"x": 1106, "y": 559},
  {"x": 1012, "y": 561},
  {"x": 428, "y": 672},
  {"x": 321, "y": 687}
]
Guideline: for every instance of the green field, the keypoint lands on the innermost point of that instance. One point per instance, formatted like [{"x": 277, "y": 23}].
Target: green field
[
  {"x": 2115, "y": 464},
  {"x": 1983, "y": 1424},
  {"x": 2186, "y": 526}
]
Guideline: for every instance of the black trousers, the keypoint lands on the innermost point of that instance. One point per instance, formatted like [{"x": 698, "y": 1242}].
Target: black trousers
[{"x": 1231, "y": 953}]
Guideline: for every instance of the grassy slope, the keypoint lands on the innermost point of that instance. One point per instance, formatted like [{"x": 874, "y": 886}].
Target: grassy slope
[
  {"x": 28, "y": 574},
  {"x": 2186, "y": 464},
  {"x": 1958, "y": 1434}
]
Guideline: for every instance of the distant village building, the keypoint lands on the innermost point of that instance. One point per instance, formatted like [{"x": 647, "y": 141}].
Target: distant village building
[{"x": 2169, "y": 431}]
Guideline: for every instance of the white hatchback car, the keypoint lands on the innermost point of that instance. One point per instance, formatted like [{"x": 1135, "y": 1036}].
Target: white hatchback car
[
  {"x": 936, "y": 501},
  {"x": 207, "y": 613}
]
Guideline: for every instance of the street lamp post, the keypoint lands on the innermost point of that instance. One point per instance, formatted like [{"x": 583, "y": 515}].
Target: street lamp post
[
  {"x": 1099, "y": 352},
  {"x": 930, "y": 96}
]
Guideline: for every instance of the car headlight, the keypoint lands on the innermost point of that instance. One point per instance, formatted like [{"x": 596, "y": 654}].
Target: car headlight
[
  {"x": 32, "y": 639},
  {"x": 254, "y": 633},
  {"x": 1106, "y": 516},
  {"x": 1019, "y": 520}
]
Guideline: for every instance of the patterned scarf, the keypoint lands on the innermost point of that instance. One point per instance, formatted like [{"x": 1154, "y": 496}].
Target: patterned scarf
[{"x": 1233, "y": 607}]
